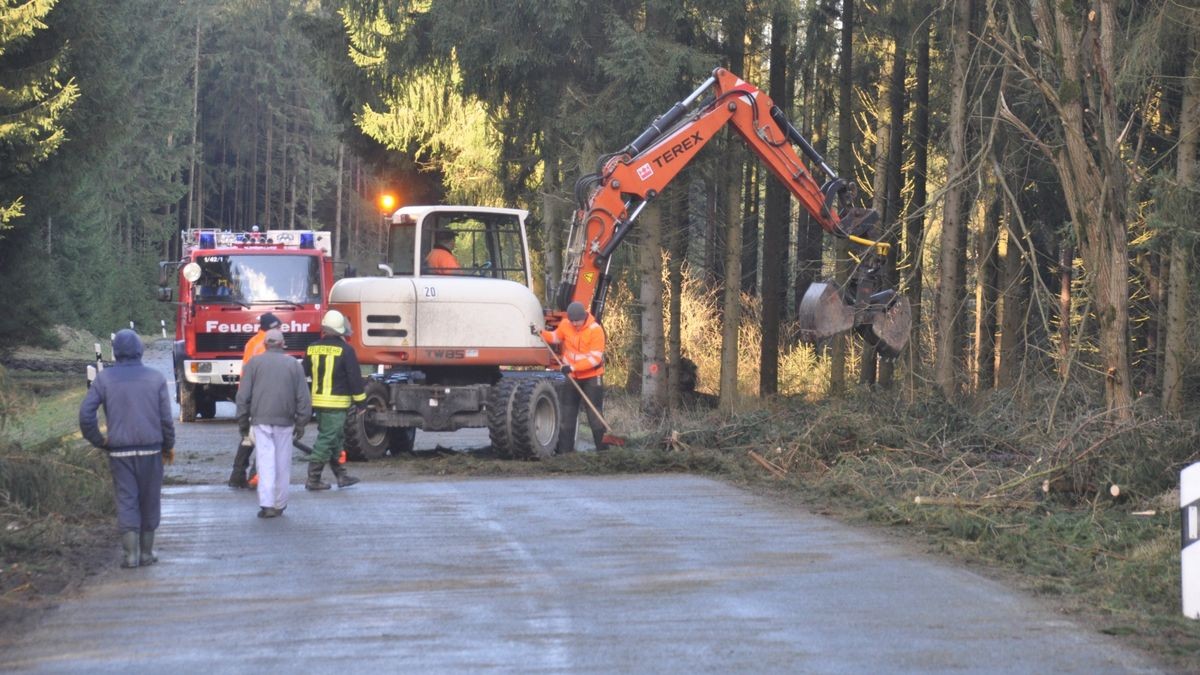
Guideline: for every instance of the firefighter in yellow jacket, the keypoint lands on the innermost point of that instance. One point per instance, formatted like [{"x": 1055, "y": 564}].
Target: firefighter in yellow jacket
[
  {"x": 337, "y": 385},
  {"x": 580, "y": 340}
]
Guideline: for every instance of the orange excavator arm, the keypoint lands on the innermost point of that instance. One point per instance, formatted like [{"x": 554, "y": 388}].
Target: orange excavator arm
[{"x": 611, "y": 200}]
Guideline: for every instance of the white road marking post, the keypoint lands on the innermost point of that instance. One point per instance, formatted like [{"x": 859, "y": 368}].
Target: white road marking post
[
  {"x": 163, "y": 323},
  {"x": 1189, "y": 554}
]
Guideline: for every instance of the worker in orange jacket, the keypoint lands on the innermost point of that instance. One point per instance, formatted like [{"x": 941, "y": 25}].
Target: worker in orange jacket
[
  {"x": 580, "y": 341},
  {"x": 441, "y": 259},
  {"x": 254, "y": 346}
]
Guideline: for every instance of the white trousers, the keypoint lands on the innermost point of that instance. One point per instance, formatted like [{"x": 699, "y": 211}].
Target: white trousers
[{"x": 273, "y": 446}]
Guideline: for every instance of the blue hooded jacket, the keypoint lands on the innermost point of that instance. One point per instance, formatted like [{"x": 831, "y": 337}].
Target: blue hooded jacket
[{"x": 136, "y": 404}]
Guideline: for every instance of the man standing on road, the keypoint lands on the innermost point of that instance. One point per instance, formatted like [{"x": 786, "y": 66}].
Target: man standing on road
[
  {"x": 141, "y": 436},
  {"x": 273, "y": 396},
  {"x": 254, "y": 346},
  {"x": 580, "y": 339},
  {"x": 337, "y": 384}
]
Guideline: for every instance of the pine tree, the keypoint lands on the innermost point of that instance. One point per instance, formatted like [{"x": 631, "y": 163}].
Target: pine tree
[{"x": 33, "y": 97}]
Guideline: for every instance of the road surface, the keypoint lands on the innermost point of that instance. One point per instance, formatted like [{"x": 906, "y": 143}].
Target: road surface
[{"x": 664, "y": 574}]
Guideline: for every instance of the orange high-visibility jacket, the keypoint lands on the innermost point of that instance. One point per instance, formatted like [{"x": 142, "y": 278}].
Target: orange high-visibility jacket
[
  {"x": 441, "y": 261},
  {"x": 256, "y": 345},
  {"x": 582, "y": 348}
]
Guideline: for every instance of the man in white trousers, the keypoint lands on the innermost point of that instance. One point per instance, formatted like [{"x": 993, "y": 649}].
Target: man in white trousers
[{"x": 273, "y": 400}]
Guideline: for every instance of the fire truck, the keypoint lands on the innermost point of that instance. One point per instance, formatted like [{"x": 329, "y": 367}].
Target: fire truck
[{"x": 226, "y": 281}]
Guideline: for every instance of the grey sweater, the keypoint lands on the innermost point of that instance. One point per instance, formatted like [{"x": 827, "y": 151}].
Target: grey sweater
[{"x": 274, "y": 391}]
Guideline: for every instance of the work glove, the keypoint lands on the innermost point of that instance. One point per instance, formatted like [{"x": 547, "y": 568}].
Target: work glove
[
  {"x": 297, "y": 433},
  {"x": 244, "y": 426},
  {"x": 168, "y": 455},
  {"x": 566, "y": 369}
]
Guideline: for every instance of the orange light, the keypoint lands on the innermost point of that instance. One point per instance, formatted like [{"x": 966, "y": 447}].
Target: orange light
[{"x": 387, "y": 203}]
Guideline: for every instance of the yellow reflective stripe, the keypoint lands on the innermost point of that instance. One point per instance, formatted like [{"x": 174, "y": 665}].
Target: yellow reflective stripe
[
  {"x": 359, "y": 398},
  {"x": 327, "y": 375},
  {"x": 331, "y": 401}
]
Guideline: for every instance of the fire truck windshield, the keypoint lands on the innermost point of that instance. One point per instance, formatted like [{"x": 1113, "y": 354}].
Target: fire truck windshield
[{"x": 245, "y": 279}]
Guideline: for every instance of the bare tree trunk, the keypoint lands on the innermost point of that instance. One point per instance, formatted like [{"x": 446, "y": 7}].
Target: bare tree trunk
[
  {"x": 775, "y": 227},
  {"x": 914, "y": 230},
  {"x": 651, "y": 297},
  {"x": 1066, "y": 265},
  {"x": 268, "y": 166},
  {"x": 950, "y": 291},
  {"x": 733, "y": 297},
  {"x": 986, "y": 283},
  {"x": 837, "y": 359},
  {"x": 1014, "y": 299},
  {"x": 191, "y": 200},
  {"x": 677, "y": 234},
  {"x": 337, "y": 209},
  {"x": 553, "y": 212},
  {"x": 894, "y": 208},
  {"x": 1179, "y": 281}
]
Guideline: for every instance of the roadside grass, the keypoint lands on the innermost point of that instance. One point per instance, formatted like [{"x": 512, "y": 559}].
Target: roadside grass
[{"x": 55, "y": 494}]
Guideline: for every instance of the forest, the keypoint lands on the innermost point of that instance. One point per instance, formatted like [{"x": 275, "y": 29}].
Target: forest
[{"x": 1034, "y": 164}]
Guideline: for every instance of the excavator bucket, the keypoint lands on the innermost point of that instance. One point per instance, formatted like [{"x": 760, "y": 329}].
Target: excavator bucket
[
  {"x": 883, "y": 320},
  {"x": 823, "y": 313},
  {"x": 887, "y": 327}
]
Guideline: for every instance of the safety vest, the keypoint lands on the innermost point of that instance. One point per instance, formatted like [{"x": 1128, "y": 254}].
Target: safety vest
[
  {"x": 582, "y": 348},
  {"x": 336, "y": 379},
  {"x": 256, "y": 345}
]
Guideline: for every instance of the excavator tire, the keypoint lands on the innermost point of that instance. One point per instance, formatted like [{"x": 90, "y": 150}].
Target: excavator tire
[
  {"x": 499, "y": 410},
  {"x": 187, "y": 399},
  {"x": 366, "y": 441},
  {"x": 535, "y": 419}
]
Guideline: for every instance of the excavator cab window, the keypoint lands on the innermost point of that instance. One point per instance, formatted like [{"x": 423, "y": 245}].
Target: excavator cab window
[
  {"x": 402, "y": 241},
  {"x": 483, "y": 245}
]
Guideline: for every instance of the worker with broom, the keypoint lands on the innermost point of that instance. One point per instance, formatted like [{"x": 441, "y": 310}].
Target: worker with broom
[{"x": 580, "y": 342}]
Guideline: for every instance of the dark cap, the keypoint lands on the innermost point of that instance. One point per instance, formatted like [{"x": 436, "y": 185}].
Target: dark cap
[
  {"x": 576, "y": 312},
  {"x": 268, "y": 321}
]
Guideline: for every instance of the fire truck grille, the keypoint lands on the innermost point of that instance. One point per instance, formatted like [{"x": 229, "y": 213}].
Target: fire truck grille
[{"x": 236, "y": 342}]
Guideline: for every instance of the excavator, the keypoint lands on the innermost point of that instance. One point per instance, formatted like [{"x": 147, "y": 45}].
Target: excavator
[
  {"x": 458, "y": 346},
  {"x": 611, "y": 199}
]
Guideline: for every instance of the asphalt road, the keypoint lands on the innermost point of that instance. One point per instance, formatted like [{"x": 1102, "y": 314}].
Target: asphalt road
[{"x": 664, "y": 574}]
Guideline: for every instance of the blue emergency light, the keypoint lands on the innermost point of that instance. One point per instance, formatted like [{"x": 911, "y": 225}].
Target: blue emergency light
[
  {"x": 208, "y": 240},
  {"x": 306, "y": 240}
]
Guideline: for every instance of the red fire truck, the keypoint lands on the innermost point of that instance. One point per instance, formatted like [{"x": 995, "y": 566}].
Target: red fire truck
[{"x": 226, "y": 281}]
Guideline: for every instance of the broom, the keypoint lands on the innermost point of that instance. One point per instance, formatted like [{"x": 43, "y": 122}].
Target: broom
[{"x": 609, "y": 438}]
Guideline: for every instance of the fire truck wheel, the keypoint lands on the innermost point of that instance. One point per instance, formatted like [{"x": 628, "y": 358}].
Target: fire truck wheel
[
  {"x": 535, "y": 419},
  {"x": 187, "y": 400},
  {"x": 499, "y": 410},
  {"x": 365, "y": 441}
]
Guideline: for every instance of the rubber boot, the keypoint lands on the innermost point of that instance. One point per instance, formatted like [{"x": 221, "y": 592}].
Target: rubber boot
[
  {"x": 147, "y": 556},
  {"x": 343, "y": 479},
  {"x": 314, "y": 477},
  {"x": 129, "y": 542},
  {"x": 241, "y": 461}
]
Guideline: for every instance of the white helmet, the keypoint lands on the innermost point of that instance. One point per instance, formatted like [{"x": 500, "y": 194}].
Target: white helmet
[{"x": 336, "y": 322}]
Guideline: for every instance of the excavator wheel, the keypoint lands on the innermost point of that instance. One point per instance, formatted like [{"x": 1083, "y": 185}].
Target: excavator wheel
[
  {"x": 499, "y": 410},
  {"x": 366, "y": 441},
  {"x": 888, "y": 330},
  {"x": 535, "y": 419}
]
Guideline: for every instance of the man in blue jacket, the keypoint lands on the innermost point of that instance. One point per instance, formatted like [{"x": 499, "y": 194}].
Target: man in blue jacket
[{"x": 141, "y": 436}]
